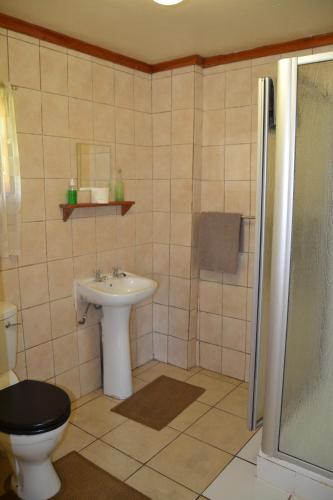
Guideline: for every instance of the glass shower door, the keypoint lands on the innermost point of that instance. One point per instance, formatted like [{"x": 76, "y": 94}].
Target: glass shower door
[{"x": 306, "y": 419}]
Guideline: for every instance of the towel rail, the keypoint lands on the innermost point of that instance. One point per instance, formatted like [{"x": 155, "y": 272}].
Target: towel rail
[{"x": 249, "y": 217}]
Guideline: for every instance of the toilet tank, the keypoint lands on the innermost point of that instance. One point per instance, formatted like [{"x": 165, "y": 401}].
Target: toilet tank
[{"x": 8, "y": 336}]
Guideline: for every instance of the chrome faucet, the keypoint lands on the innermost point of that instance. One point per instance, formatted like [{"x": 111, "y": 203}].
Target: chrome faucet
[
  {"x": 116, "y": 273},
  {"x": 99, "y": 276}
]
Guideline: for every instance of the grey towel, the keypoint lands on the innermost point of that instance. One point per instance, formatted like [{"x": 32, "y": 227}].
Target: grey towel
[{"x": 219, "y": 241}]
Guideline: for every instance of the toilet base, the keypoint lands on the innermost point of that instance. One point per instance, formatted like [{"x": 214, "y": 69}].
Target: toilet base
[{"x": 35, "y": 481}]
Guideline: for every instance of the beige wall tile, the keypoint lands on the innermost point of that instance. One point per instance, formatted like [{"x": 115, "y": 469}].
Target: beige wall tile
[
  {"x": 161, "y": 227},
  {"x": 212, "y": 196},
  {"x": 60, "y": 274},
  {"x": 55, "y": 114},
  {"x": 234, "y": 332},
  {"x": 237, "y": 197},
  {"x": 162, "y": 129},
  {"x": 125, "y": 159},
  {"x": 58, "y": 239},
  {"x": 70, "y": 382},
  {"x": 124, "y": 86},
  {"x": 210, "y": 328},
  {"x": 177, "y": 352},
  {"x": 54, "y": 71},
  {"x": 210, "y": 297},
  {"x": 238, "y": 87},
  {"x": 181, "y": 225},
  {"x": 80, "y": 119},
  {"x": 180, "y": 261},
  {"x": 234, "y": 301},
  {"x": 83, "y": 231},
  {"x": 144, "y": 320},
  {"x": 237, "y": 162},
  {"x": 88, "y": 340},
  {"x": 106, "y": 233},
  {"x": 31, "y": 155},
  {"x": 104, "y": 127},
  {"x": 213, "y": 163},
  {"x": 183, "y": 91},
  {"x": 160, "y": 347},
  {"x": 40, "y": 364},
  {"x": 33, "y": 243},
  {"x": 55, "y": 193},
  {"x": 210, "y": 357},
  {"x": 181, "y": 195},
  {"x": 103, "y": 84},
  {"x": 33, "y": 204},
  {"x": 233, "y": 363},
  {"x": 182, "y": 162},
  {"x": 160, "y": 318},
  {"x": 144, "y": 259},
  {"x": 28, "y": 111},
  {"x": 161, "y": 295},
  {"x": 161, "y": 95},
  {"x": 34, "y": 285},
  {"x": 23, "y": 64},
  {"x": 142, "y": 129},
  {"x": 144, "y": 348},
  {"x": 63, "y": 317},
  {"x": 182, "y": 126},
  {"x": 179, "y": 323},
  {"x": 3, "y": 59},
  {"x": 144, "y": 228},
  {"x": 238, "y": 125},
  {"x": 142, "y": 94},
  {"x": 179, "y": 294},
  {"x": 36, "y": 325},
  {"x": 90, "y": 376},
  {"x": 79, "y": 78},
  {"x": 161, "y": 194},
  {"x": 161, "y": 259},
  {"x": 213, "y": 127},
  {"x": 143, "y": 162},
  {"x": 56, "y": 157},
  {"x": 214, "y": 91},
  {"x": 161, "y": 162},
  {"x": 124, "y": 126}
]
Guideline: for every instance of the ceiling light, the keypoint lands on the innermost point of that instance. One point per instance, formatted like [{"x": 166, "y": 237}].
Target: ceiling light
[{"x": 168, "y": 2}]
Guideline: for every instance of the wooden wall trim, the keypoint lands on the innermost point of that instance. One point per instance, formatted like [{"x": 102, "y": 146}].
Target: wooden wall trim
[
  {"x": 270, "y": 50},
  {"x": 15, "y": 24},
  {"x": 178, "y": 63}
]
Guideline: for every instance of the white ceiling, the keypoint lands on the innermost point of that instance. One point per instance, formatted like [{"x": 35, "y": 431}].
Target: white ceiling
[{"x": 155, "y": 33}]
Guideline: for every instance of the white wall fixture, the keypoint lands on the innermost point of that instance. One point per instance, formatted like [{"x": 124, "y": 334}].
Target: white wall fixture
[{"x": 115, "y": 293}]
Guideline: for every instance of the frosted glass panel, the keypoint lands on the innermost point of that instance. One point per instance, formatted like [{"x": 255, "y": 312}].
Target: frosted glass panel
[{"x": 307, "y": 406}]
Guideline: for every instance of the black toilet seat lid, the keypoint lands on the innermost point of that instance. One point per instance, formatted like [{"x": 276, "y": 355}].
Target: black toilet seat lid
[{"x": 32, "y": 407}]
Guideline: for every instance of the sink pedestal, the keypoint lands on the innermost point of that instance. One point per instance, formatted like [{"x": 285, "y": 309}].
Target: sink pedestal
[{"x": 117, "y": 376}]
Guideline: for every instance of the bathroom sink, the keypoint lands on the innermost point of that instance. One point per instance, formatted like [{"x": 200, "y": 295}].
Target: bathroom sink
[
  {"x": 122, "y": 291},
  {"x": 116, "y": 293}
]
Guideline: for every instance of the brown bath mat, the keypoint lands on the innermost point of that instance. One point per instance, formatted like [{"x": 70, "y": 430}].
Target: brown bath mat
[
  {"x": 159, "y": 402},
  {"x": 83, "y": 480}
]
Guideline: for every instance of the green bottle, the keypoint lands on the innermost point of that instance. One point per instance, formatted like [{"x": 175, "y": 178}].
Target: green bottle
[
  {"x": 72, "y": 193},
  {"x": 119, "y": 187}
]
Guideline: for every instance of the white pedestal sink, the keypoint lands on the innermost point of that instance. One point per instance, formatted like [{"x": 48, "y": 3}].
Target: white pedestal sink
[{"x": 116, "y": 295}]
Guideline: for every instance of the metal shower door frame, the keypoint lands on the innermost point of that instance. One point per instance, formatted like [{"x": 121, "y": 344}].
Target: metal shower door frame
[{"x": 282, "y": 235}]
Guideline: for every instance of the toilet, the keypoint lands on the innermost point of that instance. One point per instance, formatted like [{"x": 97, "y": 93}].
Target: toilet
[{"x": 33, "y": 417}]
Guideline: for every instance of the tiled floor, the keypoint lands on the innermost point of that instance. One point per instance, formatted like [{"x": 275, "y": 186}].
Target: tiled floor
[{"x": 185, "y": 459}]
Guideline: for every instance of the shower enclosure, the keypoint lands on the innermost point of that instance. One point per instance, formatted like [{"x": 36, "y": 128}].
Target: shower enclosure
[{"x": 291, "y": 377}]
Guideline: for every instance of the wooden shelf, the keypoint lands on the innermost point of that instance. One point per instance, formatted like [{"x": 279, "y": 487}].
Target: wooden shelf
[{"x": 68, "y": 209}]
